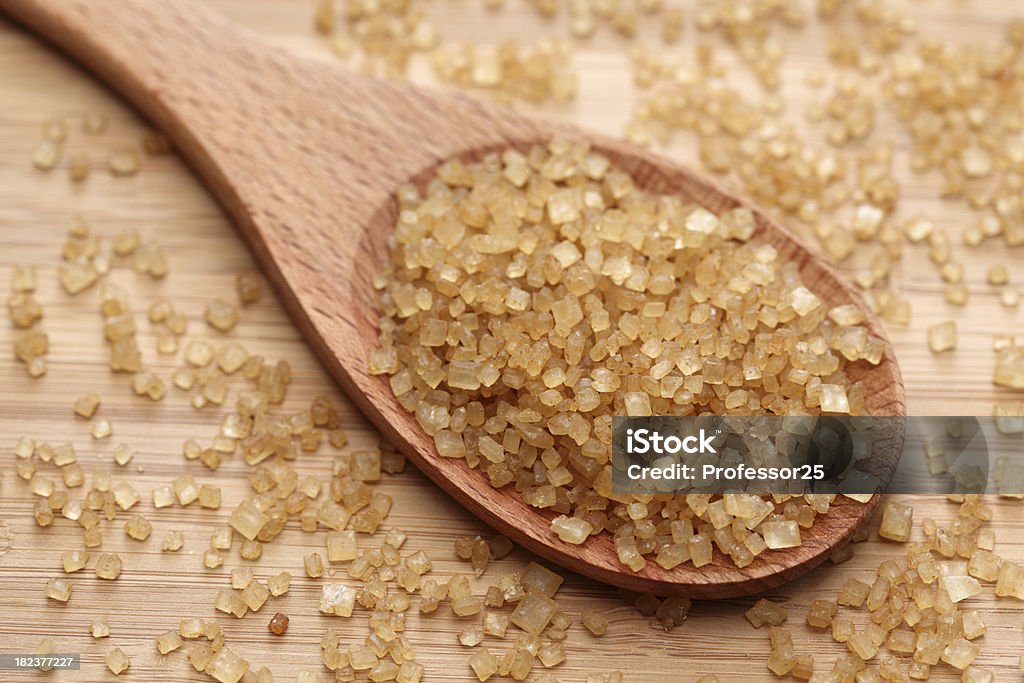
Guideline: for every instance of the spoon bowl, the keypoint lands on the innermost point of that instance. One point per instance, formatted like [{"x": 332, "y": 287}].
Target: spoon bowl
[
  {"x": 508, "y": 513},
  {"x": 306, "y": 158}
]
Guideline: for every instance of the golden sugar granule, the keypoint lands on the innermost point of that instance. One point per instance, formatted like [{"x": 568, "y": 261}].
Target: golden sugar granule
[
  {"x": 766, "y": 612},
  {"x": 95, "y": 123},
  {"x": 221, "y": 315},
  {"x": 74, "y": 560},
  {"x": 117, "y": 661},
  {"x": 58, "y": 589},
  {"x": 998, "y": 275},
  {"x": 99, "y": 628},
  {"x": 942, "y": 337},
  {"x": 168, "y": 642},
  {"x": 249, "y": 286},
  {"x": 897, "y": 521},
  {"x": 108, "y": 566},
  {"x": 226, "y": 666},
  {"x": 47, "y": 155},
  {"x": 123, "y": 162},
  {"x": 173, "y": 541},
  {"x": 78, "y": 167},
  {"x": 101, "y": 429}
]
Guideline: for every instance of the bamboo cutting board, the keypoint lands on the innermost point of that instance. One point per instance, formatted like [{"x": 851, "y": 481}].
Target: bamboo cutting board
[{"x": 164, "y": 202}]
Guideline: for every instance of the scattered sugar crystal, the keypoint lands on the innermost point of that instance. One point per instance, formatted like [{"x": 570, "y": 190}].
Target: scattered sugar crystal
[
  {"x": 821, "y": 613},
  {"x": 74, "y": 560},
  {"x": 212, "y": 559},
  {"x": 1009, "y": 370},
  {"x": 247, "y": 519},
  {"x": 484, "y": 664},
  {"x": 254, "y": 595},
  {"x": 231, "y": 357},
  {"x": 123, "y": 162},
  {"x": 842, "y": 629},
  {"x": 173, "y": 541},
  {"x": 533, "y": 613},
  {"x": 960, "y": 588},
  {"x": 241, "y": 577},
  {"x": 125, "y": 495},
  {"x": 168, "y": 642},
  {"x": 99, "y": 628},
  {"x": 117, "y": 661},
  {"x": 929, "y": 648},
  {"x": 973, "y": 674},
  {"x": 471, "y": 636},
  {"x": 123, "y": 454},
  {"x": 199, "y": 353},
  {"x": 976, "y": 161},
  {"x": 191, "y": 628},
  {"x": 853, "y": 593},
  {"x": 1010, "y": 582},
  {"x": 541, "y": 580},
  {"x": 341, "y": 546},
  {"x": 973, "y": 626},
  {"x": 960, "y": 653},
  {"x": 766, "y": 612},
  {"x": 86, "y": 405},
  {"x": 226, "y": 666},
  {"x": 998, "y": 275},
  {"x": 101, "y": 429},
  {"x": 862, "y": 645},
  {"x": 596, "y": 623},
  {"x": 984, "y": 565},
  {"x": 58, "y": 589},
  {"x": 1009, "y": 297},
  {"x": 942, "y": 337},
  {"x": 314, "y": 565},
  {"x": 495, "y": 624},
  {"x": 76, "y": 278},
  {"x": 221, "y": 315},
  {"x": 897, "y": 521},
  {"x": 918, "y": 229},
  {"x": 185, "y": 489},
  {"x": 279, "y": 583},
  {"x": 138, "y": 527},
  {"x": 467, "y": 605},
  {"x": 249, "y": 286}
]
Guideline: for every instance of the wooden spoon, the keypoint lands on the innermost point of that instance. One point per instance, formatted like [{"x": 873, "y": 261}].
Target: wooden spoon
[{"x": 306, "y": 158}]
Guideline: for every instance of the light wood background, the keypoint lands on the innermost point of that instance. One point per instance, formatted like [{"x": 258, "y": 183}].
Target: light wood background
[{"x": 164, "y": 202}]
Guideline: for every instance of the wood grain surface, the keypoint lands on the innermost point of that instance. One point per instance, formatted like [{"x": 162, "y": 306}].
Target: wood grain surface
[
  {"x": 167, "y": 203},
  {"x": 300, "y": 175}
]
